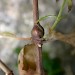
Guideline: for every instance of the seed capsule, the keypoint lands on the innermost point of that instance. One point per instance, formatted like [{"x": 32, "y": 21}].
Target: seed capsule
[{"x": 37, "y": 31}]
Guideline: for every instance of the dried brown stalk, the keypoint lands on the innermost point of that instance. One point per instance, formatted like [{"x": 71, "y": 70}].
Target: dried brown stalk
[
  {"x": 5, "y": 68},
  {"x": 37, "y": 34},
  {"x": 67, "y": 38},
  {"x": 35, "y": 11}
]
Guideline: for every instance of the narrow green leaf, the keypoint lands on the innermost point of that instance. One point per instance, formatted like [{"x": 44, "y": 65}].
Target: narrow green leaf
[
  {"x": 69, "y": 5},
  {"x": 43, "y": 18},
  {"x": 7, "y": 34},
  {"x": 59, "y": 16}
]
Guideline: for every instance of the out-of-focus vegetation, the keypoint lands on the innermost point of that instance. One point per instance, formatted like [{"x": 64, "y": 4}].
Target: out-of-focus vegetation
[
  {"x": 16, "y": 17},
  {"x": 52, "y": 66}
]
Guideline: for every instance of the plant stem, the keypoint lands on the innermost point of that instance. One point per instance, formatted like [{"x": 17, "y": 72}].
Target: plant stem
[
  {"x": 36, "y": 31},
  {"x": 39, "y": 60},
  {"x": 59, "y": 16},
  {"x": 5, "y": 68},
  {"x": 35, "y": 11}
]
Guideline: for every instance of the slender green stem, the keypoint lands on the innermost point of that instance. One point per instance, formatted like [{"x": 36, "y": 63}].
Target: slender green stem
[{"x": 59, "y": 16}]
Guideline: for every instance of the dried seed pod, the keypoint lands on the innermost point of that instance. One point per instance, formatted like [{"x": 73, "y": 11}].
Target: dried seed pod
[
  {"x": 37, "y": 31},
  {"x": 27, "y": 60}
]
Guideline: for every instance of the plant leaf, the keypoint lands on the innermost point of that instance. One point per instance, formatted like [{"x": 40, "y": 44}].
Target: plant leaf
[
  {"x": 11, "y": 35},
  {"x": 42, "y": 18},
  {"x": 7, "y": 34},
  {"x": 69, "y": 5}
]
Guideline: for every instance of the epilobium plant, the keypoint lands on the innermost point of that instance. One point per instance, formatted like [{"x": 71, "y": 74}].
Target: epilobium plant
[{"x": 30, "y": 57}]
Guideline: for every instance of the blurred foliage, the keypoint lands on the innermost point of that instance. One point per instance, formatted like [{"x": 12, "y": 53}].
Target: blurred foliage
[
  {"x": 57, "y": 0},
  {"x": 17, "y": 50},
  {"x": 51, "y": 66}
]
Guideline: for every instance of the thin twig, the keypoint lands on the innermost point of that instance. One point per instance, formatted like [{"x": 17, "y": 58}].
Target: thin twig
[
  {"x": 35, "y": 11},
  {"x": 39, "y": 60},
  {"x": 5, "y": 68}
]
